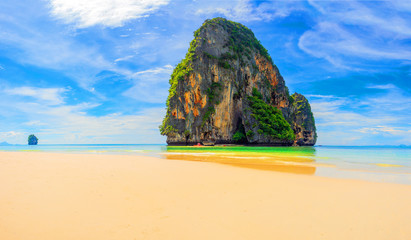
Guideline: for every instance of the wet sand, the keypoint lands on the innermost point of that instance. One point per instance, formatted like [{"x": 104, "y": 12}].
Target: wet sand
[{"x": 74, "y": 196}]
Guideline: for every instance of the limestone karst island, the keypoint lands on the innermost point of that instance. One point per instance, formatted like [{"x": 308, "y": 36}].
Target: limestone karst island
[
  {"x": 32, "y": 140},
  {"x": 227, "y": 90}
]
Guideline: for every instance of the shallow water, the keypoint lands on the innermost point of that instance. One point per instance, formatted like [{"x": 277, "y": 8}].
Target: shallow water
[{"x": 382, "y": 164}]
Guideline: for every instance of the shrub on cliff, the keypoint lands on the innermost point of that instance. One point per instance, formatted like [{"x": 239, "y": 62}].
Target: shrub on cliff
[
  {"x": 270, "y": 120},
  {"x": 239, "y": 135}
]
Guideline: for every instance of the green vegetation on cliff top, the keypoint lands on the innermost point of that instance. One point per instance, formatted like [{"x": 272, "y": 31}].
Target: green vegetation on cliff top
[
  {"x": 241, "y": 42},
  {"x": 270, "y": 120}
]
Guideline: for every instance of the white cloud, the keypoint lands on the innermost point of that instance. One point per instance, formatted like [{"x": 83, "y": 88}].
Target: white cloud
[
  {"x": 385, "y": 86},
  {"x": 384, "y": 129},
  {"x": 329, "y": 40},
  {"x": 71, "y": 124},
  {"x": 353, "y": 121},
  {"x": 108, "y": 13},
  {"x": 50, "y": 48},
  {"x": 361, "y": 14},
  {"x": 379, "y": 33},
  {"x": 393, "y": 100},
  {"x": 74, "y": 126},
  {"x": 124, "y": 58},
  {"x": 12, "y": 136},
  {"x": 323, "y": 96},
  {"x": 401, "y": 5},
  {"x": 150, "y": 85},
  {"x": 244, "y": 10},
  {"x": 34, "y": 123},
  {"x": 166, "y": 69},
  {"x": 49, "y": 96}
]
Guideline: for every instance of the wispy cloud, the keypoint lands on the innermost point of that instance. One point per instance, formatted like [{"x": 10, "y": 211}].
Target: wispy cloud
[
  {"x": 12, "y": 136},
  {"x": 124, "y": 58},
  {"x": 385, "y": 129},
  {"x": 108, "y": 13},
  {"x": 323, "y": 96},
  {"x": 50, "y": 48},
  {"x": 34, "y": 123},
  {"x": 9, "y": 134},
  {"x": 150, "y": 85},
  {"x": 385, "y": 86},
  {"x": 49, "y": 96},
  {"x": 77, "y": 127},
  {"x": 245, "y": 10},
  {"x": 354, "y": 121},
  {"x": 360, "y": 13},
  {"x": 157, "y": 70},
  {"x": 331, "y": 41},
  {"x": 394, "y": 101},
  {"x": 404, "y": 6},
  {"x": 64, "y": 123},
  {"x": 356, "y": 29}
]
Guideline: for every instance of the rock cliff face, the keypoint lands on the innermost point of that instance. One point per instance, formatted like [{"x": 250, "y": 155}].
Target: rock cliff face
[{"x": 227, "y": 90}]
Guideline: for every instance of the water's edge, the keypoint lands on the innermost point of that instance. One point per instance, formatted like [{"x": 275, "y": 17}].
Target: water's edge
[{"x": 381, "y": 164}]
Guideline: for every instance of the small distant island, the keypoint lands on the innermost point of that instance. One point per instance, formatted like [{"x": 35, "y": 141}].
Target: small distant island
[
  {"x": 227, "y": 90},
  {"x": 32, "y": 140}
]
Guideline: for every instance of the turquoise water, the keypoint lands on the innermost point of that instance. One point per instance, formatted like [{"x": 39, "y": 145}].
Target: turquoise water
[
  {"x": 90, "y": 148},
  {"x": 381, "y": 164}
]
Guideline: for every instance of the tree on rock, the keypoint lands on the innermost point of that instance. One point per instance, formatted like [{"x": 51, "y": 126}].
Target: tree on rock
[{"x": 33, "y": 140}]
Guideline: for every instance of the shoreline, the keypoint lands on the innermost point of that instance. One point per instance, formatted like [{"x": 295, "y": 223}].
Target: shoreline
[
  {"x": 92, "y": 196},
  {"x": 300, "y": 160}
]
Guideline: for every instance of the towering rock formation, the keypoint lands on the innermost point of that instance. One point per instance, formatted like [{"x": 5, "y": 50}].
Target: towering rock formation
[{"x": 227, "y": 90}]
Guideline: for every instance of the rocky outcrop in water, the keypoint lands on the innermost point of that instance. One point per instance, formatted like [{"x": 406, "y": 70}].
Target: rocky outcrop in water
[
  {"x": 32, "y": 140},
  {"x": 227, "y": 90}
]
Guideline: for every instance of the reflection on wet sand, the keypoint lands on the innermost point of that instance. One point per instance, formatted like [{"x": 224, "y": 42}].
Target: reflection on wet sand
[{"x": 289, "y": 164}]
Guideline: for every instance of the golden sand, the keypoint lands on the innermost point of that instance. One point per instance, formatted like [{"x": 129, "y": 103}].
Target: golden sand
[
  {"x": 387, "y": 165},
  {"x": 50, "y": 196},
  {"x": 300, "y": 165}
]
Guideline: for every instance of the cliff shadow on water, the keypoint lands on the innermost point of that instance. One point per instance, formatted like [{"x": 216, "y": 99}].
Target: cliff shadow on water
[{"x": 227, "y": 90}]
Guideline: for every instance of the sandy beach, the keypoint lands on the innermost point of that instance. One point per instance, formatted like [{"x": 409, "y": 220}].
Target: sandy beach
[{"x": 52, "y": 196}]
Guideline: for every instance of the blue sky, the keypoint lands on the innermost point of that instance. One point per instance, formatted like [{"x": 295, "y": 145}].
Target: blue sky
[{"x": 97, "y": 71}]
